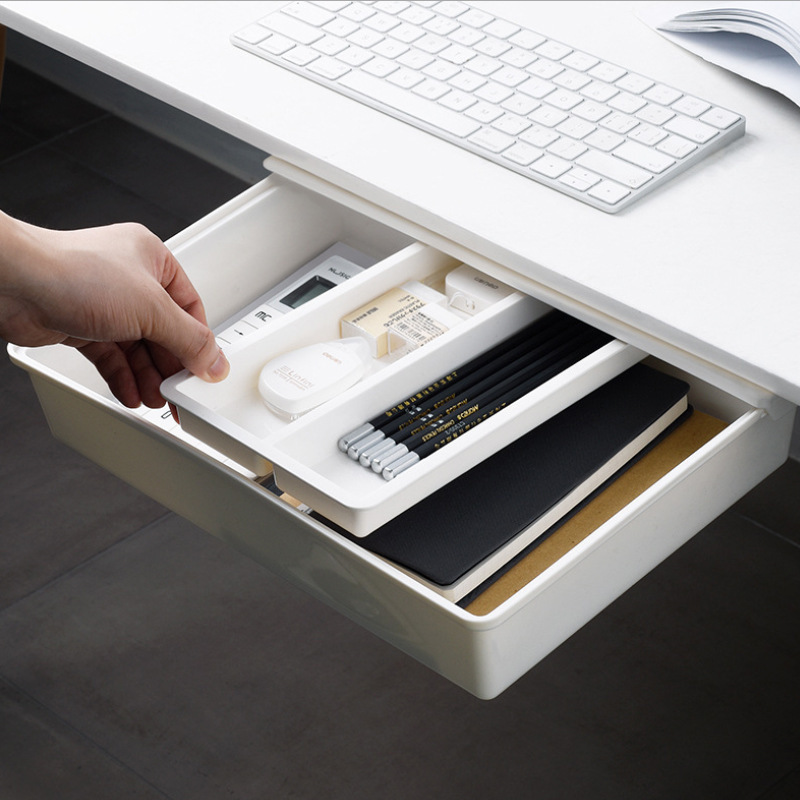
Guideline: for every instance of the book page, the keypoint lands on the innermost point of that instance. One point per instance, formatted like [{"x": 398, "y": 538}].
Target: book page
[{"x": 769, "y": 53}]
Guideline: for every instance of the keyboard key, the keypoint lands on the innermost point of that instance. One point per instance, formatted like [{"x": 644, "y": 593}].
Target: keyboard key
[
  {"x": 441, "y": 70},
  {"x": 492, "y": 140},
  {"x": 575, "y": 128},
  {"x": 357, "y": 12},
  {"x": 690, "y": 106},
  {"x": 484, "y": 112},
  {"x": 635, "y": 84},
  {"x": 627, "y": 103},
  {"x": 364, "y": 37},
  {"x": 590, "y": 111},
  {"x": 431, "y": 114},
  {"x": 538, "y": 136},
  {"x": 527, "y": 40},
  {"x": 432, "y": 44},
  {"x": 457, "y": 54},
  {"x": 609, "y": 167},
  {"x": 330, "y": 45},
  {"x": 467, "y": 81},
  {"x": 555, "y": 51},
  {"x": 405, "y": 78},
  {"x": 252, "y": 34},
  {"x": 451, "y": 8},
  {"x": 548, "y": 116},
  {"x": 381, "y": 22},
  {"x": 301, "y": 56},
  {"x": 341, "y": 27},
  {"x": 543, "y": 68},
  {"x": 380, "y": 67},
  {"x": 484, "y": 65},
  {"x": 657, "y": 115},
  {"x": 608, "y": 73},
  {"x": 388, "y": 48},
  {"x": 431, "y": 89},
  {"x": 720, "y": 118},
  {"x": 580, "y": 179},
  {"x": 520, "y": 104},
  {"x": 567, "y": 148},
  {"x": 522, "y": 154},
  {"x": 441, "y": 26},
  {"x": 647, "y": 134},
  {"x": 579, "y": 61},
  {"x": 517, "y": 57},
  {"x": 458, "y": 101},
  {"x": 416, "y": 59},
  {"x": 406, "y": 33},
  {"x": 493, "y": 93},
  {"x": 642, "y": 156},
  {"x": 663, "y": 95},
  {"x": 355, "y": 56},
  {"x": 691, "y": 129},
  {"x": 475, "y": 18},
  {"x": 609, "y": 192},
  {"x": 277, "y": 45},
  {"x": 676, "y": 146},
  {"x": 308, "y": 12},
  {"x": 328, "y": 68},
  {"x": 391, "y": 6},
  {"x": 604, "y": 140},
  {"x": 494, "y": 48},
  {"x": 550, "y": 166},
  {"x": 619, "y": 123},
  {"x": 292, "y": 28},
  {"x": 466, "y": 36},
  {"x": 501, "y": 29},
  {"x": 511, "y": 124}
]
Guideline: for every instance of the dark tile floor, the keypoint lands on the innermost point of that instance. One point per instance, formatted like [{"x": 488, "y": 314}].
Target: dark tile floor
[{"x": 141, "y": 658}]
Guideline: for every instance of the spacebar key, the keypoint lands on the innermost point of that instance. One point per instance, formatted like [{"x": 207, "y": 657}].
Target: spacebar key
[{"x": 416, "y": 107}]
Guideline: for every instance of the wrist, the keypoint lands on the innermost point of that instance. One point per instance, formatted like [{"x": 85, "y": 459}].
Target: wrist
[{"x": 24, "y": 255}]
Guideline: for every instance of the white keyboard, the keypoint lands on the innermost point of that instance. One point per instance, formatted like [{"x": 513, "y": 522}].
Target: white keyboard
[{"x": 569, "y": 120}]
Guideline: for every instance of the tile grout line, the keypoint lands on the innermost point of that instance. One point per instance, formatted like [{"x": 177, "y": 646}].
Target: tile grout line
[
  {"x": 86, "y": 561},
  {"x": 85, "y": 737},
  {"x": 767, "y": 529},
  {"x": 46, "y": 142},
  {"x": 765, "y": 795}
]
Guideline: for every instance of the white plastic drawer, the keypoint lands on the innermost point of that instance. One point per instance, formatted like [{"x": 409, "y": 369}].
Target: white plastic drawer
[{"x": 482, "y": 653}]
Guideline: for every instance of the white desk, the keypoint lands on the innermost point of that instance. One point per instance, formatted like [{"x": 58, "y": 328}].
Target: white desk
[
  {"x": 707, "y": 265},
  {"x": 701, "y": 274}
]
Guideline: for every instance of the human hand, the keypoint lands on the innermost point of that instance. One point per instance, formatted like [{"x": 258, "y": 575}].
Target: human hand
[{"x": 117, "y": 294}]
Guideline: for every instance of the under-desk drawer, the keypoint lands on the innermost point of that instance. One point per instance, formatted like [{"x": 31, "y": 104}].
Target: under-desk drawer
[{"x": 484, "y": 645}]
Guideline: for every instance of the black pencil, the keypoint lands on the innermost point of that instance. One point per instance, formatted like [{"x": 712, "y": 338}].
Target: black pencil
[
  {"x": 498, "y": 381},
  {"x": 398, "y": 429},
  {"x": 357, "y": 441},
  {"x": 478, "y": 411}
]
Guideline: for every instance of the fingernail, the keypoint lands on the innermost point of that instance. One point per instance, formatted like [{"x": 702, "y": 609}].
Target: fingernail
[{"x": 220, "y": 368}]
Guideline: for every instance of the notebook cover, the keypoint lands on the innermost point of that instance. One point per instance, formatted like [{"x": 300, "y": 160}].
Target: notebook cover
[
  {"x": 444, "y": 536},
  {"x": 666, "y": 454}
]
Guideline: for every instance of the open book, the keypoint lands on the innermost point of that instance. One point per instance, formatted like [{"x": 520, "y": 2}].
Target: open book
[
  {"x": 461, "y": 535},
  {"x": 768, "y": 52}
]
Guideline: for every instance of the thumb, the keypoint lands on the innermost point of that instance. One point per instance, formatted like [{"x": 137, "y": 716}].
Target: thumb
[{"x": 190, "y": 341}]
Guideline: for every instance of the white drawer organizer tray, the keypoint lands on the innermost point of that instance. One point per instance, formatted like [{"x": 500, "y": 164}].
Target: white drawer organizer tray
[{"x": 255, "y": 241}]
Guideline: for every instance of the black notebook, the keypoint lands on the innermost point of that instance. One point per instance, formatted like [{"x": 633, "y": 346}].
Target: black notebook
[{"x": 462, "y": 534}]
